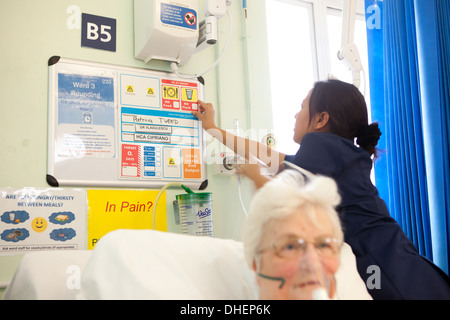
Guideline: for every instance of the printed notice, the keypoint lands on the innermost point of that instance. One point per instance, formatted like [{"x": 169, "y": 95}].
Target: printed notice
[
  {"x": 112, "y": 126},
  {"x": 192, "y": 164},
  {"x": 179, "y": 95},
  {"x": 178, "y": 16},
  {"x": 86, "y": 117},
  {"x": 37, "y": 220},
  {"x": 110, "y": 210},
  {"x": 131, "y": 161},
  {"x": 139, "y": 91},
  {"x": 152, "y": 142},
  {"x": 160, "y": 127}
]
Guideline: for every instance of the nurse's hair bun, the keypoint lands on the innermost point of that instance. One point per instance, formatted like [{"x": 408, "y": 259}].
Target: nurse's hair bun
[{"x": 367, "y": 138}]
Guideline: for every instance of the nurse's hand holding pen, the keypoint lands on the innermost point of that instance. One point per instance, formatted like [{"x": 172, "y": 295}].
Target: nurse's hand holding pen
[{"x": 206, "y": 115}]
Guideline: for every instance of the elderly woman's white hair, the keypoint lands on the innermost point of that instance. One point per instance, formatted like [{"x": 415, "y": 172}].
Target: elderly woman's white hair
[{"x": 285, "y": 195}]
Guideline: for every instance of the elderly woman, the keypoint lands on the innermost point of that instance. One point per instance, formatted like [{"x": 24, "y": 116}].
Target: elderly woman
[{"x": 293, "y": 237}]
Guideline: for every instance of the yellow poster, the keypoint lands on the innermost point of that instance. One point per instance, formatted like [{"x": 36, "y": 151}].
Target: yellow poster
[{"x": 110, "y": 210}]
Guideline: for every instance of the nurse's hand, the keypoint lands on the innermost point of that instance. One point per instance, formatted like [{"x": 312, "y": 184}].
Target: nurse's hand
[
  {"x": 253, "y": 172},
  {"x": 205, "y": 115}
]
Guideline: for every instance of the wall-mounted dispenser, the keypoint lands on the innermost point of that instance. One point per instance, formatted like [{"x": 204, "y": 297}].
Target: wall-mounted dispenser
[{"x": 166, "y": 30}]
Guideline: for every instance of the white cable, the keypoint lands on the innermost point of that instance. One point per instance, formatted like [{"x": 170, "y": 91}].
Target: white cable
[
  {"x": 365, "y": 81},
  {"x": 174, "y": 65},
  {"x": 230, "y": 31},
  {"x": 240, "y": 195}
]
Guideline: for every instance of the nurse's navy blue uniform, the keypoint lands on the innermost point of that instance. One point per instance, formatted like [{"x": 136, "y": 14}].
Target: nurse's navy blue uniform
[{"x": 376, "y": 238}]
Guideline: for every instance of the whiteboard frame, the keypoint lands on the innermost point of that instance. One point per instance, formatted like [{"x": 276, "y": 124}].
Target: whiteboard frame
[{"x": 98, "y": 171}]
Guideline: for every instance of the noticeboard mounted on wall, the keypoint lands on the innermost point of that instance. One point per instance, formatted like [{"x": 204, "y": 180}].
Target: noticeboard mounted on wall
[{"x": 112, "y": 126}]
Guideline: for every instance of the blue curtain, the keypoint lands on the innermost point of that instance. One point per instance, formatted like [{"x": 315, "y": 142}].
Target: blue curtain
[
  {"x": 443, "y": 10},
  {"x": 413, "y": 173}
]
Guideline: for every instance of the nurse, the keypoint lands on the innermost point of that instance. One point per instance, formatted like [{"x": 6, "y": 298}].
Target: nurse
[{"x": 337, "y": 141}]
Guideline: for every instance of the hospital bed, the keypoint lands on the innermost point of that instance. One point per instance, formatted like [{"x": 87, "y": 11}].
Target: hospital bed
[{"x": 146, "y": 264}]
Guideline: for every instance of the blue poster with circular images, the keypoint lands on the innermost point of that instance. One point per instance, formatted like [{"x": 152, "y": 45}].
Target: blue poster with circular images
[{"x": 42, "y": 219}]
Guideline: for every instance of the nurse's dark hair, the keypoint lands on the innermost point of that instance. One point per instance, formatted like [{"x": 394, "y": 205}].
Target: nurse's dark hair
[{"x": 347, "y": 109}]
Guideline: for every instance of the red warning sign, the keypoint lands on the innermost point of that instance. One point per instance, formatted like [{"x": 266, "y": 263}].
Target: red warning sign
[
  {"x": 131, "y": 161},
  {"x": 190, "y": 18}
]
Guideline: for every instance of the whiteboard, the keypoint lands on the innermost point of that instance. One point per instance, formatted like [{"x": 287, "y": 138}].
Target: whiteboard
[{"x": 113, "y": 126}]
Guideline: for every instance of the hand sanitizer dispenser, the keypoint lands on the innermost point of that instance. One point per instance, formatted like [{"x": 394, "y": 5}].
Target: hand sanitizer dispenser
[{"x": 165, "y": 30}]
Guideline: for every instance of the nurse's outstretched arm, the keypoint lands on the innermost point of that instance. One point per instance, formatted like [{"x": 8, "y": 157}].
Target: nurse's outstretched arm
[{"x": 244, "y": 147}]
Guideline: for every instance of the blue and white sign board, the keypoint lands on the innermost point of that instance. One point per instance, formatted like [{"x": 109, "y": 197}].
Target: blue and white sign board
[{"x": 122, "y": 127}]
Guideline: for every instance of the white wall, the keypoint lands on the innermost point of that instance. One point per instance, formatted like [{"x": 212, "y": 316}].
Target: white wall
[{"x": 33, "y": 31}]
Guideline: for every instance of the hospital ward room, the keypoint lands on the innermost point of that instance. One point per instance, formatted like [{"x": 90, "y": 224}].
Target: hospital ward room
[{"x": 232, "y": 151}]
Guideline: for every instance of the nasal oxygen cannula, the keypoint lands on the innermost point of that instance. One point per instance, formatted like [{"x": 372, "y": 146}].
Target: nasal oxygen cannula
[{"x": 310, "y": 271}]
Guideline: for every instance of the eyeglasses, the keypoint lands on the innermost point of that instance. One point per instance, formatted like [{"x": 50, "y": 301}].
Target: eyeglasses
[{"x": 293, "y": 247}]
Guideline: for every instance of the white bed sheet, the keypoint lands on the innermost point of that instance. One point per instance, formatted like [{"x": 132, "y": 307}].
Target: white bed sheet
[{"x": 48, "y": 275}]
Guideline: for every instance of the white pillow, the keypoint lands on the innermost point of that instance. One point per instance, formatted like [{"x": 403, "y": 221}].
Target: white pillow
[
  {"x": 145, "y": 264},
  {"x": 350, "y": 286}
]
